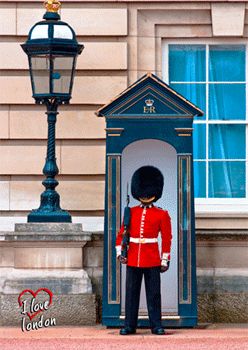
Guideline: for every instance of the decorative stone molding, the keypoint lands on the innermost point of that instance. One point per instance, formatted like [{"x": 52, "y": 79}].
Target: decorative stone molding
[{"x": 228, "y": 19}]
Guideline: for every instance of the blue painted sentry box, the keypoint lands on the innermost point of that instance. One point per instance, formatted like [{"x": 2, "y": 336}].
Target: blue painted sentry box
[{"x": 150, "y": 109}]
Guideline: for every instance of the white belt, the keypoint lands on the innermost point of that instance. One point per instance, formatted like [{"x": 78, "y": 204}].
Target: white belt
[{"x": 143, "y": 240}]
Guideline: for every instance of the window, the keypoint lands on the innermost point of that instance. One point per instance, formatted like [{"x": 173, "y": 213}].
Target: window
[{"x": 213, "y": 77}]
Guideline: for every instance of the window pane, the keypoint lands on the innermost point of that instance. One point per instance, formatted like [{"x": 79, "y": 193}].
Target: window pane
[
  {"x": 227, "y": 63},
  {"x": 226, "y": 141},
  {"x": 187, "y": 62},
  {"x": 227, "y": 179},
  {"x": 227, "y": 101},
  {"x": 199, "y": 141},
  {"x": 195, "y": 93},
  {"x": 200, "y": 179}
]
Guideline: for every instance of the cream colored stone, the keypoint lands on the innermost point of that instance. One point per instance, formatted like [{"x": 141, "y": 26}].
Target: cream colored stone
[
  {"x": 184, "y": 31},
  {"x": 98, "y": 56},
  {"x": 93, "y": 256},
  {"x": 9, "y": 60},
  {"x": 180, "y": 16},
  {"x": 150, "y": 18},
  {"x": 103, "y": 55},
  {"x": 25, "y": 195},
  {"x": 245, "y": 30},
  {"x": 7, "y": 223},
  {"x": 6, "y": 257},
  {"x": 73, "y": 122},
  {"x": 146, "y": 25},
  {"x": 224, "y": 222},
  {"x": 28, "y": 122},
  {"x": 32, "y": 156},
  {"x": 82, "y": 195},
  {"x": 132, "y": 21},
  {"x": 82, "y": 159},
  {"x": 172, "y": 5},
  {"x": 4, "y": 117},
  {"x": 90, "y": 223},
  {"x": 4, "y": 195},
  {"x": 86, "y": 90},
  {"x": 48, "y": 257},
  {"x": 96, "y": 21},
  {"x": 146, "y": 54},
  {"x": 74, "y": 195},
  {"x": 228, "y": 19},
  {"x": 132, "y": 41},
  {"x": 27, "y": 16},
  {"x": 222, "y": 255},
  {"x": 97, "y": 89},
  {"x": 158, "y": 57},
  {"x": 78, "y": 123},
  {"x": 7, "y": 19},
  {"x": 17, "y": 88}
]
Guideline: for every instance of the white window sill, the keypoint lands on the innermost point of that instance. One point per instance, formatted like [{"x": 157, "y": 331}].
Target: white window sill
[{"x": 221, "y": 207}]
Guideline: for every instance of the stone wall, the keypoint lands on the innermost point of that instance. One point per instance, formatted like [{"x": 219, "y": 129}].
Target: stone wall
[
  {"x": 93, "y": 264},
  {"x": 48, "y": 256},
  {"x": 123, "y": 40},
  {"x": 222, "y": 276}
]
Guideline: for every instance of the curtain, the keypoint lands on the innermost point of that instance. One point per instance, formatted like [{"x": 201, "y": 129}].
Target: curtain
[
  {"x": 226, "y": 102},
  {"x": 226, "y": 93}
]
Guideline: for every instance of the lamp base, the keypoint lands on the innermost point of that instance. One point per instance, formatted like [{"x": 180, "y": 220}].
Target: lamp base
[{"x": 52, "y": 216}]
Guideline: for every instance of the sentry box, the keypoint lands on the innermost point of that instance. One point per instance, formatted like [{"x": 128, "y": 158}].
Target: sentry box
[{"x": 151, "y": 124}]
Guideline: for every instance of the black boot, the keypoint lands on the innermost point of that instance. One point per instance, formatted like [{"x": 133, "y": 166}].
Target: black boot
[
  {"x": 158, "y": 331},
  {"x": 127, "y": 331}
]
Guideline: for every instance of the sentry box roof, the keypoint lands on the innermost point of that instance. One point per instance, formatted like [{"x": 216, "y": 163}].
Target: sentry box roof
[{"x": 149, "y": 97}]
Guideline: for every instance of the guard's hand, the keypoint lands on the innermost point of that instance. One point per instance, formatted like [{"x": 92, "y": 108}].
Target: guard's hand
[
  {"x": 122, "y": 259},
  {"x": 165, "y": 268}
]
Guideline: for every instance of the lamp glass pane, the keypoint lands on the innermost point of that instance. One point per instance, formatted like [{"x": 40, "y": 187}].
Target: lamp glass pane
[
  {"x": 62, "y": 74},
  {"x": 40, "y": 66}
]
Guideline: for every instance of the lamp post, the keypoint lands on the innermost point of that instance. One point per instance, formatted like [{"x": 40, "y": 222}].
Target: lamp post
[{"x": 52, "y": 50}]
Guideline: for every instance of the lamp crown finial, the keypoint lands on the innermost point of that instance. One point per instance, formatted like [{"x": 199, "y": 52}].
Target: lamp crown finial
[{"x": 52, "y": 5}]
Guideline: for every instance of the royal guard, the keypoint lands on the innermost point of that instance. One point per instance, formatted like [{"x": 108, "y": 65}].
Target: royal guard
[{"x": 146, "y": 221}]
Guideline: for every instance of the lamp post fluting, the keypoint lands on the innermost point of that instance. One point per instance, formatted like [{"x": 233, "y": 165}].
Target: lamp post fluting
[{"x": 52, "y": 50}]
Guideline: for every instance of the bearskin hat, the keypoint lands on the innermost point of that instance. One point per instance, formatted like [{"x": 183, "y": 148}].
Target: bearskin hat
[{"x": 147, "y": 182}]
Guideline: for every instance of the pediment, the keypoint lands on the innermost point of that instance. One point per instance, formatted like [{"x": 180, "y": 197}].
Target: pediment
[{"x": 149, "y": 97}]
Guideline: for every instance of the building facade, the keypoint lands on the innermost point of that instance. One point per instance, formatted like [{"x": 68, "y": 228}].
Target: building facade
[{"x": 200, "y": 49}]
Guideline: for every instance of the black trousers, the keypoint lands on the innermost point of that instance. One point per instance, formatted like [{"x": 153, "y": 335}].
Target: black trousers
[{"x": 153, "y": 295}]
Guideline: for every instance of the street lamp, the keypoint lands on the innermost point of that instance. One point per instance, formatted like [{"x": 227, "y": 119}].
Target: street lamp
[{"x": 52, "y": 50}]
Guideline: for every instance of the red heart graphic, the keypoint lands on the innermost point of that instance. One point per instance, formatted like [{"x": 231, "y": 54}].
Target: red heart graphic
[{"x": 34, "y": 295}]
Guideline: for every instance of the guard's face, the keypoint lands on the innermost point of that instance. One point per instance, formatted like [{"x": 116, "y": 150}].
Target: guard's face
[{"x": 147, "y": 200}]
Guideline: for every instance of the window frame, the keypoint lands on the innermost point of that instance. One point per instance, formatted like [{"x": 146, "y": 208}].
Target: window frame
[{"x": 214, "y": 205}]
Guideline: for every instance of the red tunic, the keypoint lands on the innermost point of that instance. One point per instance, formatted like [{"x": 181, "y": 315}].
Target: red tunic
[{"x": 147, "y": 223}]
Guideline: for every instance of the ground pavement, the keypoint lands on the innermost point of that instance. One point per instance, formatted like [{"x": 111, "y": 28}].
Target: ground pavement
[{"x": 211, "y": 337}]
